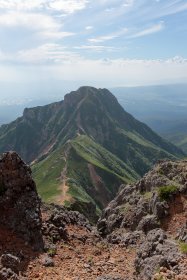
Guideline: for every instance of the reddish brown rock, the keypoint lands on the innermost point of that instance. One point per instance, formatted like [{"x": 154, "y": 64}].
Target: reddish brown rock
[{"x": 19, "y": 201}]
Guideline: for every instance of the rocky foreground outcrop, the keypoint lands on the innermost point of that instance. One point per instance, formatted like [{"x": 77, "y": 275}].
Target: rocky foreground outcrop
[
  {"x": 151, "y": 215},
  {"x": 19, "y": 201},
  {"x": 142, "y": 234},
  {"x": 20, "y": 216}
]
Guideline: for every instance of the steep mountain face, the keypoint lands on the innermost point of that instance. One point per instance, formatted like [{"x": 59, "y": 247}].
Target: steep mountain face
[
  {"x": 32, "y": 134},
  {"x": 84, "y": 147}
]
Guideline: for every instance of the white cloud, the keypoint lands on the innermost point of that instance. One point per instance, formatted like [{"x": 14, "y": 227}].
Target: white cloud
[
  {"x": 21, "y": 4},
  {"x": 173, "y": 7},
  {"x": 153, "y": 29},
  {"x": 54, "y": 34},
  {"x": 177, "y": 60},
  {"x": 34, "y": 21},
  {"x": 53, "y": 61},
  {"x": 46, "y": 22},
  {"x": 89, "y": 27},
  {"x": 68, "y": 6},
  {"x": 108, "y": 37},
  {"x": 128, "y": 3},
  {"x": 120, "y": 72},
  {"x": 44, "y": 26},
  {"x": 97, "y": 48},
  {"x": 47, "y": 53}
]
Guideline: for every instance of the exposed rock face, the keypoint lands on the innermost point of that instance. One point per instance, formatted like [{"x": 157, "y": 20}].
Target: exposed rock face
[
  {"x": 156, "y": 251},
  {"x": 57, "y": 218},
  {"x": 153, "y": 221},
  {"x": 139, "y": 206},
  {"x": 19, "y": 201},
  {"x": 182, "y": 234}
]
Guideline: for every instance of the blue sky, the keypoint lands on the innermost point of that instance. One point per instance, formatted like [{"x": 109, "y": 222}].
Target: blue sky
[{"x": 102, "y": 42}]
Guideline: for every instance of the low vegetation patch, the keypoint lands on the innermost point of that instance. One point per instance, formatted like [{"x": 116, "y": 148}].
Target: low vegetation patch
[
  {"x": 124, "y": 208},
  {"x": 183, "y": 247},
  {"x": 51, "y": 252},
  {"x": 165, "y": 191},
  {"x": 146, "y": 195}
]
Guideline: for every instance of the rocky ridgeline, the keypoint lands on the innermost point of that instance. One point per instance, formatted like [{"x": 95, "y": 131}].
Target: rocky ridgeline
[
  {"x": 19, "y": 201},
  {"x": 151, "y": 215}
]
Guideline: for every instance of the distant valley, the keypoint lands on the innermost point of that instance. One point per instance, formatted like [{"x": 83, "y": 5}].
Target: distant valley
[{"x": 163, "y": 108}]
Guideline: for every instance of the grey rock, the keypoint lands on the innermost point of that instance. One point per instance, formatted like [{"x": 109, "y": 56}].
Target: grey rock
[
  {"x": 8, "y": 274},
  {"x": 150, "y": 265},
  {"x": 54, "y": 228},
  {"x": 182, "y": 233},
  {"x": 10, "y": 261},
  {"x": 156, "y": 251},
  {"x": 48, "y": 262},
  {"x": 148, "y": 223},
  {"x": 135, "y": 216},
  {"x": 125, "y": 239}
]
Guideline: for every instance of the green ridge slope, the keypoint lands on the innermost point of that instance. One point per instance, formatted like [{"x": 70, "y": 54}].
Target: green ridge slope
[{"x": 92, "y": 174}]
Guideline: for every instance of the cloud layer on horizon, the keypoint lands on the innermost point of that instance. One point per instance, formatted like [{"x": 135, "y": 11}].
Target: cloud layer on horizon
[{"x": 93, "y": 37}]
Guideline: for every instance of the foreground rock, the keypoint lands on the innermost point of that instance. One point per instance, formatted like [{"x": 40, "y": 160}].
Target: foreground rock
[
  {"x": 141, "y": 235},
  {"x": 19, "y": 201},
  {"x": 151, "y": 215}
]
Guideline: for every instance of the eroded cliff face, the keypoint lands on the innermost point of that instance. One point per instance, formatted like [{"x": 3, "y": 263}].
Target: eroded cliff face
[{"x": 19, "y": 201}]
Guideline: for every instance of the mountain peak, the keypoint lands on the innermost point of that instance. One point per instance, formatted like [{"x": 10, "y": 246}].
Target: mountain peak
[
  {"x": 84, "y": 92},
  {"x": 108, "y": 147}
]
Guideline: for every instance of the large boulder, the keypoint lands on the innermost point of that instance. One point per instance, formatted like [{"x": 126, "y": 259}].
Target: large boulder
[{"x": 19, "y": 201}]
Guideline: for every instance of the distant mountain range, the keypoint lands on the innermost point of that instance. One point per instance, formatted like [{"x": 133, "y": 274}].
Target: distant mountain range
[
  {"x": 160, "y": 106},
  {"x": 177, "y": 134},
  {"x": 163, "y": 108},
  {"x": 84, "y": 147}
]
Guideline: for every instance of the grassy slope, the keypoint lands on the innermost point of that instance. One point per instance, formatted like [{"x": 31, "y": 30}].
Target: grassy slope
[
  {"x": 81, "y": 151},
  {"x": 47, "y": 175},
  {"x": 179, "y": 139}
]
